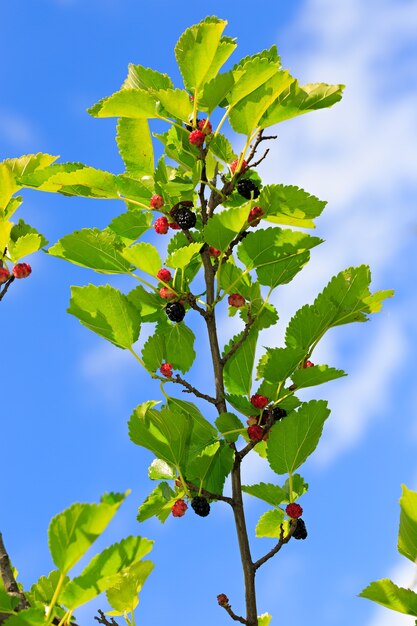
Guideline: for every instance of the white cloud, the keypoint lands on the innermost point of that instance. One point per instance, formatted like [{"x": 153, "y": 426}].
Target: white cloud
[
  {"x": 359, "y": 155},
  {"x": 18, "y": 131},
  {"x": 108, "y": 367}
]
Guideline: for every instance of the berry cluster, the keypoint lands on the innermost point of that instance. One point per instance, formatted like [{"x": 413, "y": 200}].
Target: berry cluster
[
  {"x": 175, "y": 311},
  {"x": 200, "y": 506},
  {"x": 236, "y": 300},
  {"x": 156, "y": 201},
  {"x": 247, "y": 188},
  {"x": 166, "y": 370},
  {"x": 300, "y": 531},
  {"x": 255, "y": 215},
  {"x": 178, "y": 508},
  {"x": 294, "y": 510},
  {"x": 20, "y": 270}
]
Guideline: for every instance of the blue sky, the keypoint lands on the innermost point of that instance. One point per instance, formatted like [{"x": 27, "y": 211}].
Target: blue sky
[{"x": 67, "y": 394}]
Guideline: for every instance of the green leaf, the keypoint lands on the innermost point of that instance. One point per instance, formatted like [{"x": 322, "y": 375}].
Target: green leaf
[
  {"x": 148, "y": 304},
  {"x": 132, "y": 103},
  {"x": 158, "y": 503},
  {"x": 23, "y": 246},
  {"x": 28, "y": 617},
  {"x": 226, "y": 422},
  {"x": 385, "y": 592},
  {"x": 197, "y": 54},
  {"x": 182, "y": 257},
  {"x": 134, "y": 141},
  {"x": 73, "y": 531},
  {"x": 29, "y": 163},
  {"x": 21, "y": 229},
  {"x": 290, "y": 205},
  {"x": 211, "y": 467},
  {"x": 249, "y": 74},
  {"x": 238, "y": 369},
  {"x": 407, "y": 536},
  {"x": 279, "y": 363},
  {"x": 277, "y": 255},
  {"x": 104, "y": 570},
  {"x": 247, "y": 114},
  {"x": 140, "y": 77},
  {"x": 178, "y": 148},
  {"x": 166, "y": 433},
  {"x": 268, "y": 492},
  {"x": 144, "y": 256},
  {"x": 176, "y": 102},
  {"x": 233, "y": 280},
  {"x": 123, "y": 597},
  {"x": 264, "y": 619},
  {"x": 317, "y": 375},
  {"x": 222, "y": 148},
  {"x": 160, "y": 470},
  {"x": 296, "y": 99},
  {"x": 7, "y": 603},
  {"x": 96, "y": 249},
  {"x": 43, "y": 590},
  {"x": 131, "y": 225},
  {"x": 294, "y": 438},
  {"x": 269, "y": 524},
  {"x": 202, "y": 431},
  {"x": 240, "y": 403},
  {"x": 223, "y": 227},
  {"x": 171, "y": 343},
  {"x": 107, "y": 312},
  {"x": 215, "y": 90},
  {"x": 346, "y": 299},
  {"x": 299, "y": 486}
]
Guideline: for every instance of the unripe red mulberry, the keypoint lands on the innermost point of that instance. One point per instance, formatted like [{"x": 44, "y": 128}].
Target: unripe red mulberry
[
  {"x": 294, "y": 510},
  {"x": 259, "y": 401},
  {"x": 21, "y": 270},
  {"x": 156, "y": 201},
  {"x": 178, "y": 508}
]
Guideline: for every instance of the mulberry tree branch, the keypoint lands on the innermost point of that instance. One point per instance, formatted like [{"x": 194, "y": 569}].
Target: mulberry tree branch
[
  {"x": 9, "y": 580},
  {"x": 282, "y": 541}
]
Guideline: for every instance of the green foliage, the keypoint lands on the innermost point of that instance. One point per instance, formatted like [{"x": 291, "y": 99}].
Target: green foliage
[
  {"x": 74, "y": 530},
  {"x": 269, "y": 524},
  {"x": 407, "y": 536},
  {"x": 384, "y": 591},
  {"x": 294, "y": 438},
  {"x": 391, "y": 596},
  {"x": 225, "y": 253},
  {"x": 107, "y": 312}
]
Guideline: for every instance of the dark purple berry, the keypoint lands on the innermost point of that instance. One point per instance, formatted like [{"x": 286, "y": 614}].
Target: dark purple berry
[
  {"x": 247, "y": 188},
  {"x": 201, "y": 506},
  {"x": 175, "y": 311}
]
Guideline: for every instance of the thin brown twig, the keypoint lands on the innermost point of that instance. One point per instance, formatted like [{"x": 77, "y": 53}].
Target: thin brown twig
[
  {"x": 103, "y": 619},
  {"x": 191, "y": 389},
  {"x": 239, "y": 237},
  {"x": 6, "y": 286},
  {"x": 282, "y": 541},
  {"x": 192, "y": 301},
  {"x": 233, "y": 615},
  {"x": 240, "y": 341},
  {"x": 259, "y": 138},
  {"x": 209, "y": 494},
  {"x": 261, "y": 159}
]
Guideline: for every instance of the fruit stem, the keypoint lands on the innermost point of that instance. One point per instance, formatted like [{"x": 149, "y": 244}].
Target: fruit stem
[
  {"x": 54, "y": 598},
  {"x": 222, "y": 121},
  {"x": 290, "y": 486}
]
